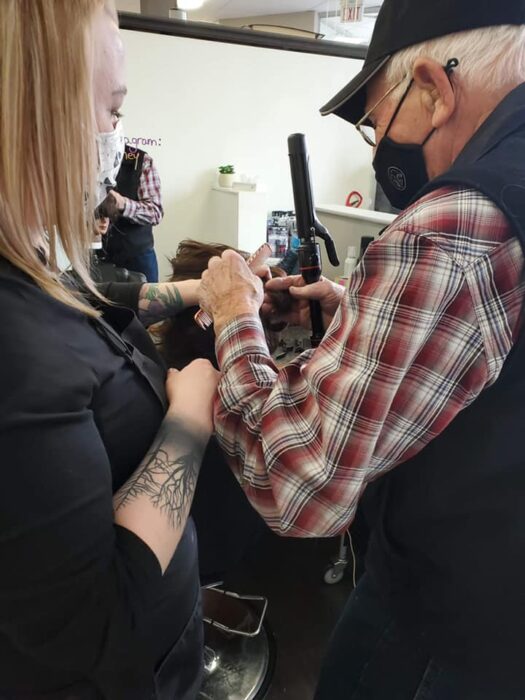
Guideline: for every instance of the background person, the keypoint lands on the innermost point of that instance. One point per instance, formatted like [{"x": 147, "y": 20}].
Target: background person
[
  {"x": 414, "y": 401},
  {"x": 137, "y": 195}
]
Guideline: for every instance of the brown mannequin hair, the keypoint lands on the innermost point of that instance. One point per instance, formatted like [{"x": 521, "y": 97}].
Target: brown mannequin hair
[{"x": 181, "y": 339}]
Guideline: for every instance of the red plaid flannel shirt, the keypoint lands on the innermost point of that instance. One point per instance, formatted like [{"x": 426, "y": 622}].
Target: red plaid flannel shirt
[
  {"x": 148, "y": 208},
  {"x": 431, "y": 314}
]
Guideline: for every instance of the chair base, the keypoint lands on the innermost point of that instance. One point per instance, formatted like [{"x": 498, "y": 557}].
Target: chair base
[{"x": 242, "y": 667}]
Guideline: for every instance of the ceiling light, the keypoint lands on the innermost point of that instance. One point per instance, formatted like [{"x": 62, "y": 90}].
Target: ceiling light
[{"x": 189, "y": 4}]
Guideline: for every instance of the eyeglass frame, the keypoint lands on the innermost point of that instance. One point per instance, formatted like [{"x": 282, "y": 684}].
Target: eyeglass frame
[
  {"x": 358, "y": 125},
  {"x": 451, "y": 64}
]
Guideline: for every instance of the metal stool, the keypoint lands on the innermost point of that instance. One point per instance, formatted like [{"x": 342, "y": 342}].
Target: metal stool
[{"x": 240, "y": 650}]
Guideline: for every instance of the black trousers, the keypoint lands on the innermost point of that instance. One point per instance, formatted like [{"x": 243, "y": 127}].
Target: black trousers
[
  {"x": 372, "y": 656},
  {"x": 178, "y": 676}
]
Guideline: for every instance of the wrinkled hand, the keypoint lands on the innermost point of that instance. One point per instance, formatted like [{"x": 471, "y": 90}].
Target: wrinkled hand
[
  {"x": 229, "y": 288},
  {"x": 119, "y": 199},
  {"x": 190, "y": 395},
  {"x": 287, "y": 299}
]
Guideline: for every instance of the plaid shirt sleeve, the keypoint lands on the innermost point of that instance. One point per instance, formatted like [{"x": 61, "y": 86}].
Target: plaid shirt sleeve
[
  {"x": 148, "y": 208},
  {"x": 431, "y": 313}
]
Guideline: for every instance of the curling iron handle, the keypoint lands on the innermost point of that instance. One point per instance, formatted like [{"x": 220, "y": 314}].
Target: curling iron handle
[
  {"x": 316, "y": 316},
  {"x": 310, "y": 266}
]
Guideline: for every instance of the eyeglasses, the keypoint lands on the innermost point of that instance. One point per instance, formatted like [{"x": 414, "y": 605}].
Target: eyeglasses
[{"x": 367, "y": 131}]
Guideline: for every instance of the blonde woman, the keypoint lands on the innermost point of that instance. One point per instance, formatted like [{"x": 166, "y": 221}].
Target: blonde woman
[{"x": 99, "y": 592}]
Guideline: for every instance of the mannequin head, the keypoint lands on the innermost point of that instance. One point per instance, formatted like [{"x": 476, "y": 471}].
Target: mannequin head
[{"x": 182, "y": 340}]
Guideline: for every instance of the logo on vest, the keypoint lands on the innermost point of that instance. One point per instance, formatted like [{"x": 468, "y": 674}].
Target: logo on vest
[{"x": 397, "y": 178}]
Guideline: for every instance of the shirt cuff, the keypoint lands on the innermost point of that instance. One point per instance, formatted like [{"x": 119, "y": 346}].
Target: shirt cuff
[
  {"x": 241, "y": 337},
  {"x": 130, "y": 207}
]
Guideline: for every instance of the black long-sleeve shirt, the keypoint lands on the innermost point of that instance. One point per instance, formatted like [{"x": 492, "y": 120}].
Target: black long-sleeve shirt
[{"x": 80, "y": 598}]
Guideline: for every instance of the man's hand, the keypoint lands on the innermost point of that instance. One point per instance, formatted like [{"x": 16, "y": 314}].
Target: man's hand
[
  {"x": 287, "y": 299},
  {"x": 119, "y": 199},
  {"x": 229, "y": 289}
]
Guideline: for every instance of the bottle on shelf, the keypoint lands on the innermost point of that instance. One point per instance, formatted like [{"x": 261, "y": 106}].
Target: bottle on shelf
[
  {"x": 350, "y": 260},
  {"x": 349, "y": 265}
]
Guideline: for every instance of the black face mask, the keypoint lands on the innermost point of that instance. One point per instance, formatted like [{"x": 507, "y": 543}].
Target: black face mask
[{"x": 400, "y": 168}]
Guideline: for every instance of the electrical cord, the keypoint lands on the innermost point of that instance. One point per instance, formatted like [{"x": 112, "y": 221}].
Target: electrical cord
[{"x": 354, "y": 562}]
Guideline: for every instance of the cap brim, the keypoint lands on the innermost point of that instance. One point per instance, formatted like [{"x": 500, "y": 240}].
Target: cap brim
[{"x": 349, "y": 103}]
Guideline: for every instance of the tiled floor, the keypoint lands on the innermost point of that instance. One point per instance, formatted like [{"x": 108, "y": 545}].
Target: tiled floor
[{"x": 302, "y": 608}]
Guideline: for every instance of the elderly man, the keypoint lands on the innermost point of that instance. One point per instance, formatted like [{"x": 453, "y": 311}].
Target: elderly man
[{"x": 414, "y": 402}]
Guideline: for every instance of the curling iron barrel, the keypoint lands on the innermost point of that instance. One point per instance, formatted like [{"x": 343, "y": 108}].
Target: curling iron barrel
[{"x": 308, "y": 227}]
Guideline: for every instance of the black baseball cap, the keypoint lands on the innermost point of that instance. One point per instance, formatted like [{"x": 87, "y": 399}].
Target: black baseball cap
[{"x": 404, "y": 23}]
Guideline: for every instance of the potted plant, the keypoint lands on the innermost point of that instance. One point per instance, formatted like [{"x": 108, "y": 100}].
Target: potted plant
[{"x": 226, "y": 175}]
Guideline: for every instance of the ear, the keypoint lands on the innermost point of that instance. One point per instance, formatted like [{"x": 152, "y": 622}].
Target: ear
[{"x": 438, "y": 95}]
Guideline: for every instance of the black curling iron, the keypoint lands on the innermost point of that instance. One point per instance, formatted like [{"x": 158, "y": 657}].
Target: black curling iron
[{"x": 308, "y": 227}]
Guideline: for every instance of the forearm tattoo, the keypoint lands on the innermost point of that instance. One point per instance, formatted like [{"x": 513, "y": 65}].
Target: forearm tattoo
[
  {"x": 158, "y": 302},
  {"x": 168, "y": 474}
]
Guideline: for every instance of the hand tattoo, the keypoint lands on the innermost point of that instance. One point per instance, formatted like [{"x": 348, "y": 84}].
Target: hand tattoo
[
  {"x": 158, "y": 302},
  {"x": 168, "y": 474}
]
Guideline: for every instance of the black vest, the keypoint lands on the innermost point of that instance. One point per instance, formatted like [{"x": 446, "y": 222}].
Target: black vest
[
  {"x": 447, "y": 549},
  {"x": 125, "y": 238}
]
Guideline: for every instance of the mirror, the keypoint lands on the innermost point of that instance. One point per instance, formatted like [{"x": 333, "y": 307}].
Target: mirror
[
  {"x": 195, "y": 105},
  {"x": 202, "y": 95}
]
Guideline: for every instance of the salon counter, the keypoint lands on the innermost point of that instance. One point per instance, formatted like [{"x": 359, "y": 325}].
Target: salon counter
[{"x": 347, "y": 225}]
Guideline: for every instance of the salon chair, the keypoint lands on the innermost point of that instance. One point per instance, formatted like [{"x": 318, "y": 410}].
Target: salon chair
[
  {"x": 353, "y": 543},
  {"x": 104, "y": 271},
  {"x": 239, "y": 652}
]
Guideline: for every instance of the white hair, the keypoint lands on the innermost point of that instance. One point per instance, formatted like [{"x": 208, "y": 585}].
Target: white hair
[{"x": 489, "y": 58}]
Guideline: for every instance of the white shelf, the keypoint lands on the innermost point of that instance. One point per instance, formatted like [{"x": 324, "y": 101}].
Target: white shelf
[
  {"x": 373, "y": 217},
  {"x": 348, "y": 225},
  {"x": 238, "y": 217},
  {"x": 232, "y": 190}
]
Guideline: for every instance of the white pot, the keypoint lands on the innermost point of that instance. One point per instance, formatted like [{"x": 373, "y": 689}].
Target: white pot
[{"x": 226, "y": 179}]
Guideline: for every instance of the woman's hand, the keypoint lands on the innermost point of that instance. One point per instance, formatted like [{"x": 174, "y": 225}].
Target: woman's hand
[
  {"x": 287, "y": 299},
  {"x": 190, "y": 395},
  {"x": 229, "y": 289},
  {"x": 155, "y": 501}
]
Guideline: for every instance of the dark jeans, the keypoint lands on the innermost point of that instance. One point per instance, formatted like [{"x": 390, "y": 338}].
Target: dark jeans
[
  {"x": 372, "y": 657},
  {"x": 145, "y": 263}
]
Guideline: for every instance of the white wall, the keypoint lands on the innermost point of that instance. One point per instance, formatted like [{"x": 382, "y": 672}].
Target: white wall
[
  {"x": 128, "y": 5},
  {"x": 207, "y": 103}
]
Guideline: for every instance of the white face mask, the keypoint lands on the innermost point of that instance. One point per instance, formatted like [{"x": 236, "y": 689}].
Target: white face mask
[{"x": 110, "y": 148}]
